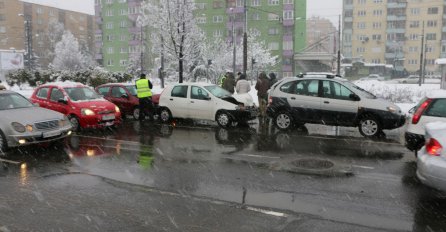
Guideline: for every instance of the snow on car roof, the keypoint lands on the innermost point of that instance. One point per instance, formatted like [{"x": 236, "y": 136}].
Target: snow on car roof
[
  {"x": 65, "y": 84},
  {"x": 436, "y": 94}
]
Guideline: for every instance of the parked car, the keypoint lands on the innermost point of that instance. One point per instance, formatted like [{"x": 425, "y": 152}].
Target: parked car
[
  {"x": 430, "y": 109},
  {"x": 330, "y": 100},
  {"x": 412, "y": 79},
  {"x": 431, "y": 162},
  {"x": 81, "y": 104},
  {"x": 205, "y": 101},
  {"x": 375, "y": 77},
  {"x": 22, "y": 123}
]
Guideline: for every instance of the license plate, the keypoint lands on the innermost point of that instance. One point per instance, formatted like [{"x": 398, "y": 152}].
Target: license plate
[
  {"x": 109, "y": 123},
  {"x": 108, "y": 117},
  {"x": 51, "y": 134}
]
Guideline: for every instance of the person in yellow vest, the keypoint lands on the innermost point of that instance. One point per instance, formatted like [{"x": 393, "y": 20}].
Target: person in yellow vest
[{"x": 144, "y": 93}]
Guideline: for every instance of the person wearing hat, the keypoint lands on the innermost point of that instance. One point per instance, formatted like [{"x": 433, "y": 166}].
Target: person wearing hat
[
  {"x": 272, "y": 79},
  {"x": 144, "y": 94}
]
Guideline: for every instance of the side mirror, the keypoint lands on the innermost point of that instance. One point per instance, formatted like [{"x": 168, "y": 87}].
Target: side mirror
[
  {"x": 354, "y": 97},
  {"x": 125, "y": 96},
  {"x": 207, "y": 98},
  {"x": 63, "y": 101},
  {"x": 412, "y": 110}
]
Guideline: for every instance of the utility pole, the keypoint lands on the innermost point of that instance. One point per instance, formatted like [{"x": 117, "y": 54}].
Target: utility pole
[
  {"x": 338, "y": 68},
  {"x": 233, "y": 43},
  {"x": 28, "y": 40},
  {"x": 141, "y": 49},
  {"x": 245, "y": 39},
  {"x": 421, "y": 57},
  {"x": 161, "y": 73}
]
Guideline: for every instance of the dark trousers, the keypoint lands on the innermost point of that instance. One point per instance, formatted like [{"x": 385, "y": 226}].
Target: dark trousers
[{"x": 145, "y": 106}]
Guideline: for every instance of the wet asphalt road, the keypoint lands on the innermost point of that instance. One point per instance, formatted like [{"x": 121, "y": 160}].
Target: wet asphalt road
[{"x": 189, "y": 177}]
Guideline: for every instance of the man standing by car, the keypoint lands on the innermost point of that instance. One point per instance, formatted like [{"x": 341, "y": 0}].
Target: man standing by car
[
  {"x": 229, "y": 83},
  {"x": 262, "y": 87},
  {"x": 144, "y": 93}
]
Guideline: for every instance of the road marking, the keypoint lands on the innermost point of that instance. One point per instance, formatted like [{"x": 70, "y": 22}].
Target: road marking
[
  {"x": 9, "y": 161},
  {"x": 267, "y": 212},
  {"x": 365, "y": 167}
]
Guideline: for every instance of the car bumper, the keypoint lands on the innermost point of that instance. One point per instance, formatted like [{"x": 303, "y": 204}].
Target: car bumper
[
  {"x": 38, "y": 137},
  {"x": 244, "y": 115},
  {"x": 100, "y": 121},
  {"x": 392, "y": 121},
  {"x": 431, "y": 170},
  {"x": 413, "y": 142}
]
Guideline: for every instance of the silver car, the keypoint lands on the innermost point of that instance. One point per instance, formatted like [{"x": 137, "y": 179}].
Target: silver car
[
  {"x": 431, "y": 165},
  {"x": 22, "y": 123}
]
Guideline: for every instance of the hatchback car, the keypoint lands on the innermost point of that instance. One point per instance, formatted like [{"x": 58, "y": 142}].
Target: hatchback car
[
  {"x": 430, "y": 109},
  {"x": 124, "y": 95},
  {"x": 431, "y": 162},
  {"x": 83, "y": 106},
  {"x": 22, "y": 123},
  {"x": 205, "y": 101},
  {"x": 370, "y": 77},
  {"x": 330, "y": 100}
]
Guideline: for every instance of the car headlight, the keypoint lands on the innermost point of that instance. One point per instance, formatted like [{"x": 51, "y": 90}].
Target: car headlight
[
  {"x": 18, "y": 127},
  {"x": 392, "y": 109},
  {"x": 117, "y": 109},
  {"x": 86, "y": 111},
  {"x": 240, "y": 107}
]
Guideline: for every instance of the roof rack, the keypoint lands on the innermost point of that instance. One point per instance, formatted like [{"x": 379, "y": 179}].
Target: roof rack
[{"x": 329, "y": 76}]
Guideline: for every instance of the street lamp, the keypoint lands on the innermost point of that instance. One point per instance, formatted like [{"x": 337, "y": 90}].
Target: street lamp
[{"x": 28, "y": 40}]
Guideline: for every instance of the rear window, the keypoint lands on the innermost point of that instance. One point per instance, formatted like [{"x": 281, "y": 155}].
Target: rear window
[
  {"x": 179, "y": 91},
  {"x": 437, "y": 109}
]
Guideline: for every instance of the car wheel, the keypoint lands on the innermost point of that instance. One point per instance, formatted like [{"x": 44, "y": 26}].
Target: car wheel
[
  {"x": 165, "y": 115},
  {"x": 3, "y": 142},
  {"x": 223, "y": 119},
  {"x": 369, "y": 126},
  {"x": 74, "y": 122},
  {"x": 283, "y": 120},
  {"x": 135, "y": 113}
]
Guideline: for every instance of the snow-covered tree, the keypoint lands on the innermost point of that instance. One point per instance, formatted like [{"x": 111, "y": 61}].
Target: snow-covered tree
[
  {"x": 53, "y": 35},
  {"x": 68, "y": 56},
  {"x": 174, "y": 31}
]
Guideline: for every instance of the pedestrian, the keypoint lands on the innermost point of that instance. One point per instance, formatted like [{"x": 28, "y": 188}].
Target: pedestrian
[
  {"x": 222, "y": 79},
  {"x": 242, "y": 86},
  {"x": 262, "y": 87},
  {"x": 238, "y": 76},
  {"x": 229, "y": 82},
  {"x": 272, "y": 79},
  {"x": 144, "y": 94}
]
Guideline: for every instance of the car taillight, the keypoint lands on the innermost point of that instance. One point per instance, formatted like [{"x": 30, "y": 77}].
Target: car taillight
[
  {"x": 419, "y": 112},
  {"x": 433, "y": 147},
  {"x": 270, "y": 100}
]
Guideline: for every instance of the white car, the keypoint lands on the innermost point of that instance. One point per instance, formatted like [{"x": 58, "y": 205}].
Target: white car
[
  {"x": 375, "y": 77},
  {"x": 431, "y": 164},
  {"x": 412, "y": 79},
  {"x": 205, "y": 101},
  {"x": 430, "y": 109},
  {"x": 330, "y": 100}
]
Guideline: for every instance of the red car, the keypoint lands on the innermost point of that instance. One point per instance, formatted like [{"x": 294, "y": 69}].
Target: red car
[
  {"x": 83, "y": 106},
  {"x": 124, "y": 96}
]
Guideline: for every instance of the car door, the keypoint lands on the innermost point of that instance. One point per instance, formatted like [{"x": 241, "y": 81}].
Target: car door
[
  {"x": 117, "y": 96},
  {"x": 42, "y": 97},
  {"x": 201, "y": 106},
  {"x": 55, "y": 95},
  {"x": 302, "y": 96},
  {"x": 178, "y": 101},
  {"x": 338, "y": 107}
]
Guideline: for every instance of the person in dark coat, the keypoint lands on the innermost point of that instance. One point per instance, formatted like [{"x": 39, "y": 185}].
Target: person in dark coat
[
  {"x": 229, "y": 83},
  {"x": 272, "y": 79},
  {"x": 262, "y": 87}
]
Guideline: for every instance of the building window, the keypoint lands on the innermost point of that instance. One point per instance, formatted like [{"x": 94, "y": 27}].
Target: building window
[
  {"x": 273, "y": 2},
  {"x": 133, "y": 10},
  {"x": 377, "y": 12},
  {"x": 415, "y": 11},
  {"x": 413, "y": 49},
  {"x": 288, "y": 14},
  {"x": 361, "y": 2},
  {"x": 110, "y": 62},
  {"x": 109, "y": 37},
  {"x": 377, "y": 1},
  {"x": 376, "y": 25},
  {"x": 109, "y": 12},
  {"x": 123, "y": 24},
  {"x": 413, "y": 37},
  {"x": 255, "y": 3},
  {"x": 430, "y": 49},
  {"x": 201, "y": 6},
  {"x": 360, "y": 50},
  {"x": 123, "y": 62},
  {"x": 376, "y": 61},
  {"x": 273, "y": 46},
  {"x": 255, "y": 16},
  {"x": 288, "y": 45},
  {"x": 361, "y": 25},
  {"x": 123, "y": 50},
  {"x": 362, "y": 13},
  {"x": 412, "y": 62},
  {"x": 39, "y": 10},
  {"x": 2, "y": 29},
  {"x": 123, "y": 38},
  {"x": 122, "y": 1},
  {"x": 218, "y": 4},
  {"x": 432, "y": 23},
  {"x": 218, "y": 19},
  {"x": 273, "y": 31},
  {"x": 97, "y": 2},
  {"x": 123, "y": 12},
  {"x": 272, "y": 16},
  {"x": 110, "y": 50},
  {"x": 109, "y": 25},
  {"x": 414, "y": 24},
  {"x": 217, "y": 33},
  {"x": 109, "y": 1},
  {"x": 288, "y": 1},
  {"x": 431, "y": 36},
  {"x": 376, "y": 37},
  {"x": 201, "y": 20},
  {"x": 239, "y": 3},
  {"x": 432, "y": 10}
]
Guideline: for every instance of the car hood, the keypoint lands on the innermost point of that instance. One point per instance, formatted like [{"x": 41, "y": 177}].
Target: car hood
[
  {"x": 95, "y": 105},
  {"x": 244, "y": 98},
  {"x": 380, "y": 104},
  {"x": 29, "y": 115}
]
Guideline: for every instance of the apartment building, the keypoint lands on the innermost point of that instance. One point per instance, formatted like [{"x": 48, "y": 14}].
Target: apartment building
[
  {"x": 25, "y": 26},
  {"x": 322, "y": 35},
  {"x": 391, "y": 32},
  {"x": 281, "y": 24}
]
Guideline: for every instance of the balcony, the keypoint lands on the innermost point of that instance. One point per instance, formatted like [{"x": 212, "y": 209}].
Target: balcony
[
  {"x": 392, "y": 55},
  {"x": 348, "y": 7},
  {"x": 395, "y": 5},
  {"x": 396, "y": 17},
  {"x": 396, "y": 30},
  {"x": 443, "y": 29},
  {"x": 348, "y": 19}
]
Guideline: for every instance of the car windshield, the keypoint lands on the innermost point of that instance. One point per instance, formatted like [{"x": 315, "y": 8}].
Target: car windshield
[
  {"x": 362, "y": 91},
  {"x": 81, "y": 94},
  {"x": 13, "y": 101},
  {"x": 218, "y": 91},
  {"x": 131, "y": 89}
]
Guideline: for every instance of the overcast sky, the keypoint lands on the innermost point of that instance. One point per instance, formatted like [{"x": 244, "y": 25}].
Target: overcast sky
[{"x": 326, "y": 8}]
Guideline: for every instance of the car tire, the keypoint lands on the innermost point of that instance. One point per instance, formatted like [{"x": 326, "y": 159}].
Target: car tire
[
  {"x": 165, "y": 115},
  {"x": 283, "y": 120},
  {"x": 135, "y": 113},
  {"x": 369, "y": 127},
  {"x": 74, "y": 122},
  {"x": 223, "y": 119},
  {"x": 3, "y": 142}
]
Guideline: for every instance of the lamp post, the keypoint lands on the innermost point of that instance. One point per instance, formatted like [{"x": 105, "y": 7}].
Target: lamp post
[
  {"x": 234, "y": 52},
  {"x": 28, "y": 40},
  {"x": 421, "y": 57}
]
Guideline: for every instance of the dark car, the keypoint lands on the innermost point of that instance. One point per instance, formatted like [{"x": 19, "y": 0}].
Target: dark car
[{"x": 124, "y": 96}]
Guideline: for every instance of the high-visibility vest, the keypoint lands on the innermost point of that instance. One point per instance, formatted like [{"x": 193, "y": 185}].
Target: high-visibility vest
[
  {"x": 222, "y": 79},
  {"x": 142, "y": 88}
]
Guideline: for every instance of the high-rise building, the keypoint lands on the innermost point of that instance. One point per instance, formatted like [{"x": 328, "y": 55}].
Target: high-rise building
[
  {"x": 391, "y": 32},
  {"x": 118, "y": 38},
  {"x": 322, "y": 34},
  {"x": 280, "y": 23},
  {"x": 25, "y": 26}
]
